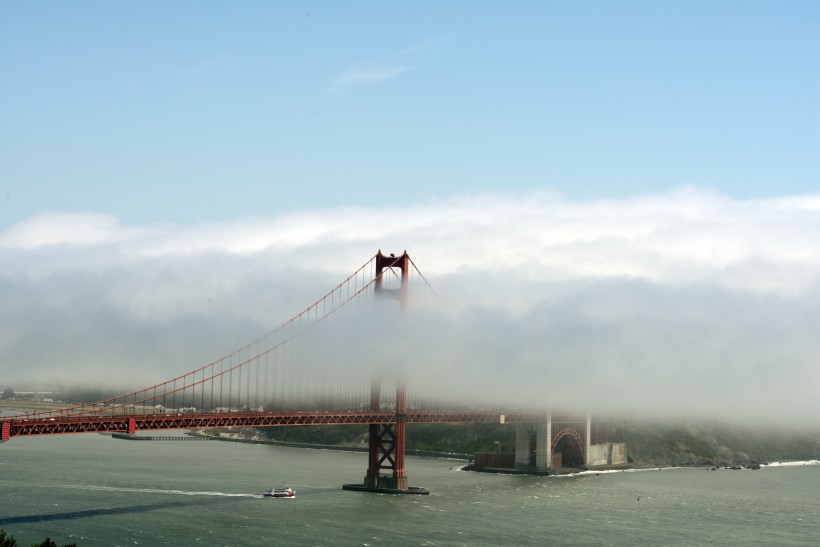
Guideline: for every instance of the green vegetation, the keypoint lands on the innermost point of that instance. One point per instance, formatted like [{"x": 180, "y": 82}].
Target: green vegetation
[
  {"x": 9, "y": 541},
  {"x": 353, "y": 435},
  {"x": 648, "y": 443},
  {"x": 445, "y": 438},
  {"x": 8, "y": 393},
  {"x": 461, "y": 438},
  {"x": 699, "y": 443}
]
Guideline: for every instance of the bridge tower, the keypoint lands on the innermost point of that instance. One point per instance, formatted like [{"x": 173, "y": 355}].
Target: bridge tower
[
  {"x": 401, "y": 262},
  {"x": 386, "y": 442}
]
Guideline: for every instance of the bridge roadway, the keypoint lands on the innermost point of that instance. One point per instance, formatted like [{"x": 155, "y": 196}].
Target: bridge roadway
[{"x": 128, "y": 423}]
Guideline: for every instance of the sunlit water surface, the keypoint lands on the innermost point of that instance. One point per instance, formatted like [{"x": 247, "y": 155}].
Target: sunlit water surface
[{"x": 95, "y": 490}]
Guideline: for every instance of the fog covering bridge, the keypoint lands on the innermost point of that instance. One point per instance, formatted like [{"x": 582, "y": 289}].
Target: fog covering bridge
[{"x": 270, "y": 382}]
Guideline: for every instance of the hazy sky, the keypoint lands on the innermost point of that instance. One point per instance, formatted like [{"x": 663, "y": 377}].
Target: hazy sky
[{"x": 617, "y": 201}]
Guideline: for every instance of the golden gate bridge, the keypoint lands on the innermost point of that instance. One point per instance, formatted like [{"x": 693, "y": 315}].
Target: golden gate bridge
[{"x": 254, "y": 386}]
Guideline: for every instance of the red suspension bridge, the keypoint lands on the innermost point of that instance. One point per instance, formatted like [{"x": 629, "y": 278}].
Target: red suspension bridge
[{"x": 258, "y": 386}]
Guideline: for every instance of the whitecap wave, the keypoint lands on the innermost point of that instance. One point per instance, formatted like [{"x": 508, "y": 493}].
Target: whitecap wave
[
  {"x": 609, "y": 471},
  {"x": 792, "y": 464}
]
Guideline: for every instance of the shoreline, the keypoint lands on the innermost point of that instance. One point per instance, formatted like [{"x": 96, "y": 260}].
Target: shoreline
[
  {"x": 340, "y": 448},
  {"x": 201, "y": 435}
]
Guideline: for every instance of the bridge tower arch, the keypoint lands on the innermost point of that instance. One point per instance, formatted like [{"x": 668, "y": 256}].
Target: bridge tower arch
[
  {"x": 545, "y": 446},
  {"x": 570, "y": 438},
  {"x": 402, "y": 262}
]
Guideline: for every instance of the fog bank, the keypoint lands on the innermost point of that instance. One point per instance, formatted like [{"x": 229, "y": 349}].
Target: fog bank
[{"x": 682, "y": 303}]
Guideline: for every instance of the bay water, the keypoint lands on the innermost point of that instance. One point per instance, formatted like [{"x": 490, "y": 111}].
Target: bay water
[{"x": 96, "y": 490}]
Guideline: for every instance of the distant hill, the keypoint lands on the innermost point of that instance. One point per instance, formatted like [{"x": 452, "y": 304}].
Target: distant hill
[
  {"x": 698, "y": 443},
  {"x": 648, "y": 443},
  {"x": 444, "y": 438}
]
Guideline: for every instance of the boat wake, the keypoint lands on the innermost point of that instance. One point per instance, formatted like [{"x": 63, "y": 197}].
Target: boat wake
[{"x": 160, "y": 491}]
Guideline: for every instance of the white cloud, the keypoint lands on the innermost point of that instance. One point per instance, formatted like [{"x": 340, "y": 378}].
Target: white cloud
[
  {"x": 58, "y": 228},
  {"x": 365, "y": 75},
  {"x": 381, "y": 69},
  {"x": 679, "y": 238},
  {"x": 671, "y": 302}
]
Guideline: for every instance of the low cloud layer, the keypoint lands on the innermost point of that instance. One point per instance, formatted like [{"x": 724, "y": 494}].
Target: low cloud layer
[{"x": 682, "y": 303}]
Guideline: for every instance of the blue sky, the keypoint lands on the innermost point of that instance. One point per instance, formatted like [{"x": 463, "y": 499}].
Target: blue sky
[
  {"x": 616, "y": 200},
  {"x": 193, "y": 111}
]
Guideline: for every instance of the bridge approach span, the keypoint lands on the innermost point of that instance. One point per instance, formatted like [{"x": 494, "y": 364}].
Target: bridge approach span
[{"x": 150, "y": 422}]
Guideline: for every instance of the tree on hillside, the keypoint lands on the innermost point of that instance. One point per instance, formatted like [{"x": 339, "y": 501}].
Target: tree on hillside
[
  {"x": 9, "y": 541},
  {"x": 8, "y": 394},
  {"x": 48, "y": 542}
]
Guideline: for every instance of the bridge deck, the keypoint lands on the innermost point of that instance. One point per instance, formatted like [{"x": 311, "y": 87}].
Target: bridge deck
[{"x": 16, "y": 426}]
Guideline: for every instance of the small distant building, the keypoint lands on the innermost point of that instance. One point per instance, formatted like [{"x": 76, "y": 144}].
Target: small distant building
[{"x": 608, "y": 454}]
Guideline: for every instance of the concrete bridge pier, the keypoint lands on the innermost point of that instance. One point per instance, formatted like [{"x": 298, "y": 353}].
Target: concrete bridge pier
[
  {"x": 543, "y": 446},
  {"x": 523, "y": 445},
  {"x": 533, "y": 446}
]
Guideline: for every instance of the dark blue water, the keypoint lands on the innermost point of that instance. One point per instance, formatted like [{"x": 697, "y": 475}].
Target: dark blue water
[{"x": 95, "y": 490}]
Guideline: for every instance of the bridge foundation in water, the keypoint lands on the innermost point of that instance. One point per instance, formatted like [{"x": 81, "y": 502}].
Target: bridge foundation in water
[{"x": 386, "y": 449}]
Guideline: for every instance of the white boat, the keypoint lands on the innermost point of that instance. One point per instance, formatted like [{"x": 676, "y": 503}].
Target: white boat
[{"x": 280, "y": 493}]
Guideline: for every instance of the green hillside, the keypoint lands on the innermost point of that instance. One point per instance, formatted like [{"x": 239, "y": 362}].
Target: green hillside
[{"x": 648, "y": 443}]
